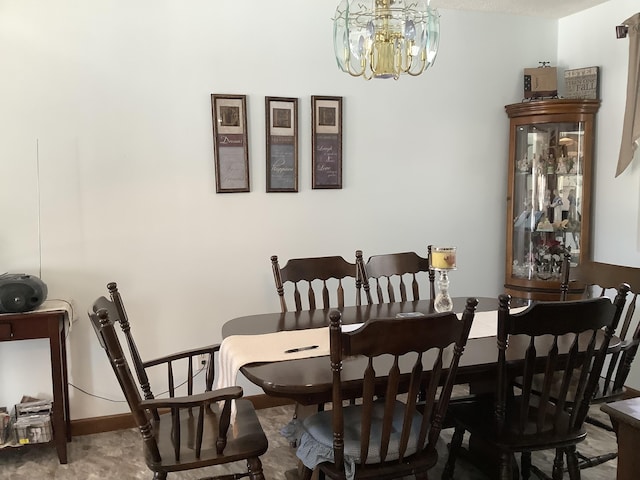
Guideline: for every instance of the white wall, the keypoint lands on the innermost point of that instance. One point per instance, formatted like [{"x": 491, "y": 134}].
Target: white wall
[
  {"x": 113, "y": 101},
  {"x": 588, "y": 39}
]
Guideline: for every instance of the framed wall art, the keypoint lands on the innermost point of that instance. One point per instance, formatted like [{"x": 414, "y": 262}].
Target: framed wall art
[
  {"x": 231, "y": 149},
  {"x": 583, "y": 83},
  {"x": 282, "y": 144},
  {"x": 326, "y": 142}
]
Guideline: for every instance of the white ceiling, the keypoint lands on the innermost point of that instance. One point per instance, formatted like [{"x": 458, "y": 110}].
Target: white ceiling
[{"x": 535, "y": 8}]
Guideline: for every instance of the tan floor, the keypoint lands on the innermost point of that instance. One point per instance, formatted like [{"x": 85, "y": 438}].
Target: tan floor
[{"x": 117, "y": 455}]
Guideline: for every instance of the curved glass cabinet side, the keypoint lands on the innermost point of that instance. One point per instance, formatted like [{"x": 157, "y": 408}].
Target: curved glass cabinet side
[{"x": 548, "y": 193}]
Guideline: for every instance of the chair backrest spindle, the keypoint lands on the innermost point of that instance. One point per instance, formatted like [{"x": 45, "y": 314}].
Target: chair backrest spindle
[
  {"x": 123, "y": 319},
  {"x": 394, "y": 276},
  {"x": 313, "y": 274},
  {"x": 109, "y": 340}
]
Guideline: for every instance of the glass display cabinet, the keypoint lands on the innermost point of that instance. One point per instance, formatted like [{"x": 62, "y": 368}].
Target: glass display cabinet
[{"x": 549, "y": 193}]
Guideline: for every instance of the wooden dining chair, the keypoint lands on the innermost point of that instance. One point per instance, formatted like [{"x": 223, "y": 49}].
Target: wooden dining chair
[
  {"x": 388, "y": 434},
  {"x": 183, "y": 432},
  {"x": 310, "y": 283},
  {"x": 194, "y": 360},
  {"x": 315, "y": 282},
  {"x": 561, "y": 336},
  {"x": 602, "y": 279},
  {"x": 396, "y": 277}
]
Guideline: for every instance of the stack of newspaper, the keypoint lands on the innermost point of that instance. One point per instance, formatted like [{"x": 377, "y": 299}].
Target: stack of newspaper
[
  {"x": 33, "y": 421},
  {"x": 4, "y": 425}
]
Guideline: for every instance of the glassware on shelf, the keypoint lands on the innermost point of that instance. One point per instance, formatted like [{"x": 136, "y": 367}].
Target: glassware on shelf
[
  {"x": 442, "y": 260},
  {"x": 548, "y": 186}
]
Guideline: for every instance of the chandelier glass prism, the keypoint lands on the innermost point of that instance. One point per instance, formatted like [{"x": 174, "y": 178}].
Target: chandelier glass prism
[{"x": 385, "y": 38}]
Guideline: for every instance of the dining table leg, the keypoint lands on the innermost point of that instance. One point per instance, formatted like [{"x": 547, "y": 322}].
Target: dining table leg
[{"x": 478, "y": 452}]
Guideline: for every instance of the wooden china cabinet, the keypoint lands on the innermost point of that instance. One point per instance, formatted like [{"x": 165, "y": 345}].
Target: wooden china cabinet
[{"x": 551, "y": 145}]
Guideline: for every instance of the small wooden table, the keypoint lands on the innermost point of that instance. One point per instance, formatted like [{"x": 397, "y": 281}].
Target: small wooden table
[
  {"x": 47, "y": 323},
  {"x": 625, "y": 417}
]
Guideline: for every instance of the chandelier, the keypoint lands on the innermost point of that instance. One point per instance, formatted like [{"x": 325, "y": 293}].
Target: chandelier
[{"x": 385, "y": 38}]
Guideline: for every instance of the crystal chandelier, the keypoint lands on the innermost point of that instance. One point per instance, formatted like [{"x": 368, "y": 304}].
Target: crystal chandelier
[{"x": 385, "y": 38}]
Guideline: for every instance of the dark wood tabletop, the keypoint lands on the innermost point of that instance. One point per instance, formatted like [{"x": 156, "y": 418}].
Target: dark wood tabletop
[
  {"x": 308, "y": 380},
  {"x": 277, "y": 322}
]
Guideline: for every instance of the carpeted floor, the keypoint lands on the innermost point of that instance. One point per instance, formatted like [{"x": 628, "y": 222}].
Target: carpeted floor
[{"x": 118, "y": 455}]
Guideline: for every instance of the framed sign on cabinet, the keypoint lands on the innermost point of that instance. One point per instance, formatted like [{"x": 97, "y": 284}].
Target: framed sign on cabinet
[
  {"x": 281, "y": 120},
  {"x": 231, "y": 149},
  {"x": 582, "y": 83},
  {"x": 326, "y": 142}
]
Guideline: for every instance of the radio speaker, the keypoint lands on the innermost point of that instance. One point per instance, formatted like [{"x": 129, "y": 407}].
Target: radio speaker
[{"x": 21, "y": 293}]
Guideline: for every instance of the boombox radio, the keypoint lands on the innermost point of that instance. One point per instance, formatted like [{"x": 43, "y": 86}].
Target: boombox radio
[{"x": 21, "y": 293}]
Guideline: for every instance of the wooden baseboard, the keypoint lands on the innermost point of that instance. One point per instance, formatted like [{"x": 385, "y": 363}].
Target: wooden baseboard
[{"x": 110, "y": 423}]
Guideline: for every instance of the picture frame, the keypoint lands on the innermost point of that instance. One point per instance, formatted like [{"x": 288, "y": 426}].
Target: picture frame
[
  {"x": 326, "y": 142},
  {"x": 230, "y": 142},
  {"x": 582, "y": 83},
  {"x": 281, "y": 121}
]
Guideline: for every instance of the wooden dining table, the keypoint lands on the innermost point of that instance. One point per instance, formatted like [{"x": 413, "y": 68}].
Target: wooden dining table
[{"x": 308, "y": 380}]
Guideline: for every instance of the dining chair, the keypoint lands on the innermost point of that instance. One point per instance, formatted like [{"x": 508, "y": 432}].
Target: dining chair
[
  {"x": 195, "y": 360},
  {"x": 183, "y": 432},
  {"x": 388, "y": 434},
  {"x": 394, "y": 276},
  {"x": 561, "y": 336},
  {"x": 601, "y": 279},
  {"x": 312, "y": 282}
]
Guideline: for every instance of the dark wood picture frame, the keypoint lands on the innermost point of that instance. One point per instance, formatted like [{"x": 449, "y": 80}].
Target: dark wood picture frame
[
  {"x": 230, "y": 143},
  {"x": 326, "y": 142},
  {"x": 281, "y": 120}
]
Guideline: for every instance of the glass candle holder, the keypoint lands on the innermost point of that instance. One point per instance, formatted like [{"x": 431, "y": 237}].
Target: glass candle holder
[{"x": 442, "y": 260}]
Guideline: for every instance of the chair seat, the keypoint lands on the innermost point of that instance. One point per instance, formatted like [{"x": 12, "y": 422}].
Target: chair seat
[
  {"x": 316, "y": 440},
  {"x": 478, "y": 417},
  {"x": 420, "y": 462},
  {"x": 244, "y": 439}
]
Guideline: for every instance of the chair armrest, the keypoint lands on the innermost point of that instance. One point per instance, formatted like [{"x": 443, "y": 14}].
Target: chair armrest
[
  {"x": 205, "y": 398},
  {"x": 208, "y": 350},
  {"x": 627, "y": 344}
]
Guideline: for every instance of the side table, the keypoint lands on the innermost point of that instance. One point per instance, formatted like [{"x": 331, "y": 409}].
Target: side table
[
  {"x": 47, "y": 322},
  {"x": 625, "y": 417}
]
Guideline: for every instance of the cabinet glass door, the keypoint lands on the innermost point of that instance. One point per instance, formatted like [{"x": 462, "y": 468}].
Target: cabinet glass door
[{"x": 548, "y": 194}]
